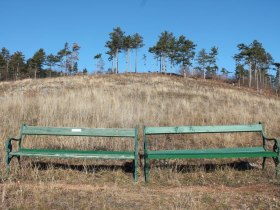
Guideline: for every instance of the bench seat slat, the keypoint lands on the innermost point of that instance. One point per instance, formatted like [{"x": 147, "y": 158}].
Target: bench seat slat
[
  {"x": 75, "y": 154},
  {"x": 203, "y": 129},
  {"x": 211, "y": 153}
]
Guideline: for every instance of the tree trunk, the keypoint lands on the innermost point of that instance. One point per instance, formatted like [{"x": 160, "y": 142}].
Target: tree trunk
[
  {"x": 250, "y": 75},
  {"x": 160, "y": 65},
  {"x": 130, "y": 62},
  {"x": 7, "y": 71},
  {"x": 113, "y": 64},
  {"x": 262, "y": 80},
  {"x": 117, "y": 61},
  {"x": 17, "y": 71},
  {"x": 171, "y": 65},
  {"x": 126, "y": 61},
  {"x": 136, "y": 59},
  {"x": 163, "y": 65},
  {"x": 35, "y": 73},
  {"x": 278, "y": 77},
  {"x": 65, "y": 64},
  {"x": 256, "y": 79},
  {"x": 204, "y": 73},
  {"x": 239, "y": 78}
]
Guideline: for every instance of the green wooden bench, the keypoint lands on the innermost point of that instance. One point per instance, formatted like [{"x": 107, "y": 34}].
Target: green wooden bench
[
  {"x": 248, "y": 152},
  {"x": 86, "y": 132}
]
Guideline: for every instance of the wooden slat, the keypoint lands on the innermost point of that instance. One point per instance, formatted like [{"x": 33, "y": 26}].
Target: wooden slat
[
  {"x": 98, "y": 132},
  {"x": 203, "y": 129},
  {"x": 75, "y": 154},
  {"x": 211, "y": 153}
]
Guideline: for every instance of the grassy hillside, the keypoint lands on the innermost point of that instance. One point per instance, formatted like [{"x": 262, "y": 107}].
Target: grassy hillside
[{"x": 135, "y": 101}]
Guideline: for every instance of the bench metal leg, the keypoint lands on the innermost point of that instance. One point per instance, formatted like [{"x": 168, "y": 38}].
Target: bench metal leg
[
  {"x": 135, "y": 170},
  {"x": 8, "y": 148},
  {"x": 19, "y": 163},
  {"x": 18, "y": 157},
  {"x": 146, "y": 169},
  {"x": 8, "y": 161},
  {"x": 276, "y": 161},
  {"x": 263, "y": 163}
]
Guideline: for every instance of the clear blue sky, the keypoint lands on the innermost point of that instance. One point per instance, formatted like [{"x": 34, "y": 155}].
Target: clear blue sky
[{"x": 32, "y": 24}]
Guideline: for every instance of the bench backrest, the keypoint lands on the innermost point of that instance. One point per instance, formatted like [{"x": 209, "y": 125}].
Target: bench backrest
[
  {"x": 94, "y": 132},
  {"x": 97, "y": 132},
  {"x": 201, "y": 129}
]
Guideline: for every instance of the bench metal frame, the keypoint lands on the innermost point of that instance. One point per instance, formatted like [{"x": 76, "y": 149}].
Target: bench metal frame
[
  {"x": 211, "y": 153},
  {"x": 131, "y": 133}
]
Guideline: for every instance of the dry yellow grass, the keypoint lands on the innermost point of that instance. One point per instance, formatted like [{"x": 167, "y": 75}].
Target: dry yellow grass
[{"x": 135, "y": 101}]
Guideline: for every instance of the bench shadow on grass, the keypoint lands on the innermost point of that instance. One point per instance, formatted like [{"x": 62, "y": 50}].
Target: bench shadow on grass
[
  {"x": 207, "y": 167},
  {"x": 126, "y": 167}
]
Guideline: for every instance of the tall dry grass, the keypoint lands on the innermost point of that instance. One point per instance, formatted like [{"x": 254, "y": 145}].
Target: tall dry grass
[{"x": 132, "y": 101}]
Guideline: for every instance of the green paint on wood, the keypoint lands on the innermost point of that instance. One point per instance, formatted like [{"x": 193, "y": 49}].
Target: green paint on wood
[
  {"x": 74, "y": 154},
  {"x": 97, "y": 132},
  {"x": 127, "y": 133},
  {"x": 245, "y": 152},
  {"x": 211, "y": 153},
  {"x": 203, "y": 129}
]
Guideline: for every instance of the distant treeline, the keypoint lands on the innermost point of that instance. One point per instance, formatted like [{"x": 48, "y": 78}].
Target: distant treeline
[
  {"x": 41, "y": 65},
  {"x": 254, "y": 65}
]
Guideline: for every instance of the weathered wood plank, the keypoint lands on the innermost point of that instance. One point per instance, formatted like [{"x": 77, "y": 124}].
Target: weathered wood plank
[
  {"x": 203, "y": 129},
  {"x": 211, "y": 153},
  {"x": 75, "y": 154},
  {"x": 98, "y": 132},
  {"x": 209, "y": 150}
]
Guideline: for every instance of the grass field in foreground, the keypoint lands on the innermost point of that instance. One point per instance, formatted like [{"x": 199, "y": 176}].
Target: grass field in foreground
[{"x": 135, "y": 101}]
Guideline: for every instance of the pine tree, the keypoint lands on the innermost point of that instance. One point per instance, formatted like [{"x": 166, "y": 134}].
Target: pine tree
[
  {"x": 35, "y": 64},
  {"x": 2, "y": 67},
  {"x": 73, "y": 59},
  {"x": 145, "y": 61},
  {"x": 115, "y": 44},
  {"x": 99, "y": 63},
  {"x": 52, "y": 61},
  {"x": 212, "y": 62},
  {"x": 85, "y": 71},
  {"x": 240, "y": 73},
  {"x": 17, "y": 67},
  {"x": 127, "y": 46},
  {"x": 63, "y": 56},
  {"x": 277, "y": 77},
  {"x": 75, "y": 68},
  {"x": 258, "y": 61},
  {"x": 137, "y": 42},
  {"x": 184, "y": 53},
  {"x": 6, "y": 54},
  {"x": 163, "y": 48},
  {"x": 202, "y": 60}
]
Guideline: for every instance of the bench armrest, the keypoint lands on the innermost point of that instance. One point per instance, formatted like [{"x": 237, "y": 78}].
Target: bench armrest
[
  {"x": 9, "y": 145},
  {"x": 276, "y": 146}
]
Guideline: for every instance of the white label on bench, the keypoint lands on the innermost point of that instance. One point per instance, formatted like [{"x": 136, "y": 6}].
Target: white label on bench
[{"x": 76, "y": 130}]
